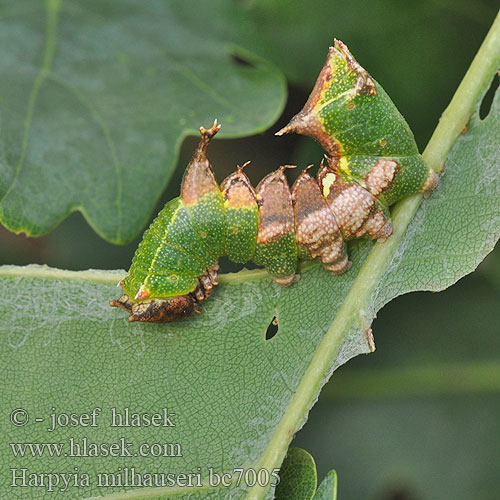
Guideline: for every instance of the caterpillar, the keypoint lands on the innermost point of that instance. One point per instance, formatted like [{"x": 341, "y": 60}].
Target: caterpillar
[{"x": 371, "y": 162}]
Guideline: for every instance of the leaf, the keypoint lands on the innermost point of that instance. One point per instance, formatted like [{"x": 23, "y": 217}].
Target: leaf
[
  {"x": 228, "y": 386},
  {"x": 97, "y": 96},
  {"x": 328, "y": 488},
  {"x": 238, "y": 398},
  {"x": 298, "y": 479},
  {"x": 298, "y": 476}
]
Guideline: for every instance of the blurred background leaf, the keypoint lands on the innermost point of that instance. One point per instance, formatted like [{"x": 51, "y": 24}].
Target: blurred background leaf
[
  {"x": 298, "y": 479},
  {"x": 327, "y": 490},
  {"x": 97, "y": 96}
]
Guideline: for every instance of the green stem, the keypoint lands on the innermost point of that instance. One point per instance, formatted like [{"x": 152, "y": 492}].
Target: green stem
[
  {"x": 422, "y": 380},
  {"x": 49, "y": 273},
  {"x": 112, "y": 277},
  {"x": 355, "y": 307}
]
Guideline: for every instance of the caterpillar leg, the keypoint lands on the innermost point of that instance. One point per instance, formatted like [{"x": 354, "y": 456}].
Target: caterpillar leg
[
  {"x": 207, "y": 282},
  {"x": 124, "y": 302}
]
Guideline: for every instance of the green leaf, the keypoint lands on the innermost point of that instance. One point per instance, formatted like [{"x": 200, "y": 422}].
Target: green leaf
[
  {"x": 68, "y": 349},
  {"x": 97, "y": 96},
  {"x": 298, "y": 476},
  {"x": 298, "y": 479},
  {"x": 328, "y": 488},
  {"x": 238, "y": 398}
]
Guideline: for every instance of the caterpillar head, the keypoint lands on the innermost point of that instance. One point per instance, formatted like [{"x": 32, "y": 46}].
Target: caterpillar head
[{"x": 157, "y": 310}]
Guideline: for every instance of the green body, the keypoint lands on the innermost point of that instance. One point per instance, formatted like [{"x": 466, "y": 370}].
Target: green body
[
  {"x": 367, "y": 128},
  {"x": 173, "y": 255},
  {"x": 241, "y": 233},
  {"x": 278, "y": 257}
]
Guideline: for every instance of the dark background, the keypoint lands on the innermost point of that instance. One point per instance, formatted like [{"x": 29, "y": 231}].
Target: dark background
[{"x": 419, "y": 418}]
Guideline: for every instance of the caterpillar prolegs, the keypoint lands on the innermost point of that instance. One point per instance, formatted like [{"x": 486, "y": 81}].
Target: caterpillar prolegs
[{"x": 372, "y": 161}]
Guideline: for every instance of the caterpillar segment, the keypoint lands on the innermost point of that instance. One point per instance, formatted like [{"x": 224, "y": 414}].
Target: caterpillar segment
[
  {"x": 276, "y": 247},
  {"x": 372, "y": 161},
  {"x": 316, "y": 226},
  {"x": 357, "y": 212},
  {"x": 242, "y": 216},
  {"x": 362, "y": 131}
]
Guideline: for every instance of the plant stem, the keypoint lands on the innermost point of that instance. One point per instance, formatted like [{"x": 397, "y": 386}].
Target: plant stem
[
  {"x": 422, "y": 380},
  {"x": 49, "y": 273}
]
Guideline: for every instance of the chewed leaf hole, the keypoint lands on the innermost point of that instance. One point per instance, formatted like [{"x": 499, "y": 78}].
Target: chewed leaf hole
[
  {"x": 241, "y": 61},
  {"x": 487, "y": 101},
  {"x": 272, "y": 329}
]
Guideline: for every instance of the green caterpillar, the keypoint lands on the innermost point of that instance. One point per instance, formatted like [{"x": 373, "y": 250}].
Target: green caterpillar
[{"x": 372, "y": 161}]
